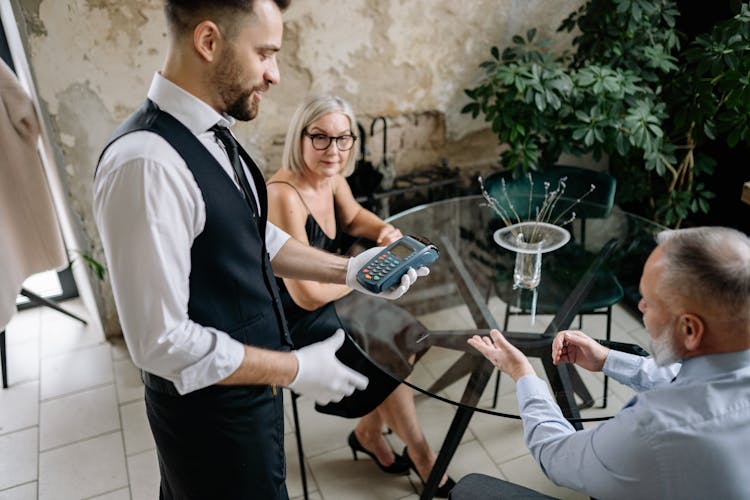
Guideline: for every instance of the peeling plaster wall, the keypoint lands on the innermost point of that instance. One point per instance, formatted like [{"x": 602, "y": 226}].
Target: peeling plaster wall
[{"x": 408, "y": 61}]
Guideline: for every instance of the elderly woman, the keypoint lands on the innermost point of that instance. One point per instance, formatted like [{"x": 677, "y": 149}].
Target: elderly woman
[{"x": 311, "y": 200}]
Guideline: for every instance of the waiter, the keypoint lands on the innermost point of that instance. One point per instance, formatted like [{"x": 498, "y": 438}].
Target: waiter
[{"x": 181, "y": 210}]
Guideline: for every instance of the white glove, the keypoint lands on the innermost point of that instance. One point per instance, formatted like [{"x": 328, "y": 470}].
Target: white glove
[
  {"x": 357, "y": 262},
  {"x": 321, "y": 375}
]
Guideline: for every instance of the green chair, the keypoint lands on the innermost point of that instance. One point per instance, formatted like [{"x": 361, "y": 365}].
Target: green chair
[{"x": 562, "y": 268}]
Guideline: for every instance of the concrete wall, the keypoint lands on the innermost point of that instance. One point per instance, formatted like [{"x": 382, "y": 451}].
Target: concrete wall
[{"x": 406, "y": 60}]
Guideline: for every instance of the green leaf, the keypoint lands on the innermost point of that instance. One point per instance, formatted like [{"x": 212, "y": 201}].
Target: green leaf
[
  {"x": 539, "y": 101},
  {"x": 709, "y": 130},
  {"x": 495, "y": 53}
]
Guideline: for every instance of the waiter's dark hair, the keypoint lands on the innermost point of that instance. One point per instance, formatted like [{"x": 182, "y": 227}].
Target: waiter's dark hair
[{"x": 184, "y": 15}]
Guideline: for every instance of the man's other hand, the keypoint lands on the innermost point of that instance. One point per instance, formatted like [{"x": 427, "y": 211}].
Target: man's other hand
[
  {"x": 572, "y": 346},
  {"x": 321, "y": 376}
]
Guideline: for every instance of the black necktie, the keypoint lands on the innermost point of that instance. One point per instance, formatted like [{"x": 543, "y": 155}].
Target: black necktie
[{"x": 230, "y": 144}]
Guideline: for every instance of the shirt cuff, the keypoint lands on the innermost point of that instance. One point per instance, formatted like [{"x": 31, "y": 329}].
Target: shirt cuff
[
  {"x": 621, "y": 365},
  {"x": 531, "y": 386},
  {"x": 227, "y": 356},
  {"x": 275, "y": 239}
]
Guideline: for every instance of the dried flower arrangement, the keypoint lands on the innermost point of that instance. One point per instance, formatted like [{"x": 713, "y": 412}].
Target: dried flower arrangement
[{"x": 546, "y": 218}]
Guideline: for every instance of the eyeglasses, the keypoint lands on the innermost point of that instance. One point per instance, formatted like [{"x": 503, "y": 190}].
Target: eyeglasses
[{"x": 321, "y": 142}]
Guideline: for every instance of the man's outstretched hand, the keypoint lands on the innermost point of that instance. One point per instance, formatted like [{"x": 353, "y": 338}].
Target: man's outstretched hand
[{"x": 501, "y": 353}]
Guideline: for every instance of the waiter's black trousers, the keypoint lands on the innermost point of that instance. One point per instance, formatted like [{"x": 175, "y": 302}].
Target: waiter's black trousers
[{"x": 219, "y": 442}]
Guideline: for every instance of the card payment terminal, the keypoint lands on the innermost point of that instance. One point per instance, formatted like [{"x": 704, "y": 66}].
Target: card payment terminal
[{"x": 387, "y": 267}]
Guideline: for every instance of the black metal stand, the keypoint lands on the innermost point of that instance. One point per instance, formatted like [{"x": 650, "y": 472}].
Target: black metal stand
[
  {"x": 46, "y": 302},
  {"x": 37, "y": 300},
  {"x": 3, "y": 362}
]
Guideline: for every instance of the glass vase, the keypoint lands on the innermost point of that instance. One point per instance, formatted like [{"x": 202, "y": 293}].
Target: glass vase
[{"x": 528, "y": 270}]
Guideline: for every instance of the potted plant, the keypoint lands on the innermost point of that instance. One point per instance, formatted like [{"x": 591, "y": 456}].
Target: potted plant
[{"x": 627, "y": 90}]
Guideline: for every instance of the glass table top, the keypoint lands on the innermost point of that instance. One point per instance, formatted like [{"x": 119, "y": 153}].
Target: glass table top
[{"x": 470, "y": 289}]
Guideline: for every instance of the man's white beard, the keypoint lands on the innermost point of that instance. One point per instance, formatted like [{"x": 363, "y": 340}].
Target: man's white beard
[{"x": 662, "y": 349}]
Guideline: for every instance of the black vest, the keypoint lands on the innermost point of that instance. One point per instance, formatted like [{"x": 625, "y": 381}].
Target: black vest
[{"x": 232, "y": 287}]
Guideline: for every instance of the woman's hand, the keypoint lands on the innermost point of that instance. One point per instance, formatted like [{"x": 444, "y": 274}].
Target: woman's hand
[
  {"x": 504, "y": 355},
  {"x": 387, "y": 235},
  {"x": 572, "y": 346}
]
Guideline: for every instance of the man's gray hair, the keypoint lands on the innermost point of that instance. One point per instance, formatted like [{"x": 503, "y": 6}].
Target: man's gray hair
[
  {"x": 709, "y": 265},
  {"x": 309, "y": 111}
]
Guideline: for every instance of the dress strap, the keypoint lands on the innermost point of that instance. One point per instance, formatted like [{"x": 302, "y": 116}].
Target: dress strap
[{"x": 295, "y": 190}]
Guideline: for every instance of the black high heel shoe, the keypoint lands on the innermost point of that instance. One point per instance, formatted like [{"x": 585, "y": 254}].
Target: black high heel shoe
[
  {"x": 442, "y": 491},
  {"x": 399, "y": 465}
]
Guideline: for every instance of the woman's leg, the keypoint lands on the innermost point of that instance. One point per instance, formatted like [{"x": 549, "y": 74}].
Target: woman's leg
[
  {"x": 399, "y": 413},
  {"x": 369, "y": 433}
]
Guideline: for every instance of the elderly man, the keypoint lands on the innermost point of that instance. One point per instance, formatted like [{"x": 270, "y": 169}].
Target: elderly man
[{"x": 687, "y": 432}]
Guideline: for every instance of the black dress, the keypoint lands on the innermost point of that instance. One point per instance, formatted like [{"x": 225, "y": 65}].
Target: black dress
[{"x": 390, "y": 321}]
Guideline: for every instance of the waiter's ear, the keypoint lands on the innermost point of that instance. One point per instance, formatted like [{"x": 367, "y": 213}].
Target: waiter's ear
[{"x": 207, "y": 39}]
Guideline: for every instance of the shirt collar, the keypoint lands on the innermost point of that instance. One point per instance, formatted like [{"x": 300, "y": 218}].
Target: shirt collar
[
  {"x": 711, "y": 364},
  {"x": 191, "y": 111}
]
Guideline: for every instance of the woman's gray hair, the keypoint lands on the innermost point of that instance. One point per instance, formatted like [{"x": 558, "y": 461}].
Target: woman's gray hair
[
  {"x": 309, "y": 111},
  {"x": 708, "y": 265}
]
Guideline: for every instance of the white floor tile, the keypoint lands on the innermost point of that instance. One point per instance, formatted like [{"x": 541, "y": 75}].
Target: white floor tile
[
  {"x": 472, "y": 457},
  {"x": 75, "y": 371},
  {"x": 24, "y": 492},
  {"x": 143, "y": 469},
  {"x": 24, "y": 327},
  {"x": 502, "y": 438},
  {"x": 61, "y": 334},
  {"x": 338, "y": 477},
  {"x": 18, "y": 460},
  {"x": 84, "y": 469},
  {"x": 19, "y": 406},
  {"x": 122, "y": 494},
  {"x": 128, "y": 381},
  {"x": 138, "y": 437},
  {"x": 321, "y": 433},
  {"x": 23, "y": 363},
  {"x": 77, "y": 417},
  {"x": 293, "y": 478}
]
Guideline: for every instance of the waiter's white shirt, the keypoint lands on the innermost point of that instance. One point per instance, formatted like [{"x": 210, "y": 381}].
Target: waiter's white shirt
[{"x": 149, "y": 210}]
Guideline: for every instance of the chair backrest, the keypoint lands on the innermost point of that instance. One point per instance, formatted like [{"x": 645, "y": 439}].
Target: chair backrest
[{"x": 578, "y": 181}]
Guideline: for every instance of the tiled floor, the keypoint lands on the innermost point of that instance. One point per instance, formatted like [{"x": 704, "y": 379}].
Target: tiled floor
[{"x": 73, "y": 425}]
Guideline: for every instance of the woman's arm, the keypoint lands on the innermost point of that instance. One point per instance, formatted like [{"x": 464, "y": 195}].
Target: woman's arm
[
  {"x": 357, "y": 220},
  {"x": 286, "y": 211}
]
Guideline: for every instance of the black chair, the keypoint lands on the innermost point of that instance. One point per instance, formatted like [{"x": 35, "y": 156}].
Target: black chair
[{"x": 525, "y": 196}]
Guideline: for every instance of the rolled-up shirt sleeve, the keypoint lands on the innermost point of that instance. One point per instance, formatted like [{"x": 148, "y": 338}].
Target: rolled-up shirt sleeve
[
  {"x": 275, "y": 239},
  {"x": 148, "y": 213}
]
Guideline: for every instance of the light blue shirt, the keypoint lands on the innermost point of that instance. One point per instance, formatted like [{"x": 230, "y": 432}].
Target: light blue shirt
[{"x": 685, "y": 439}]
